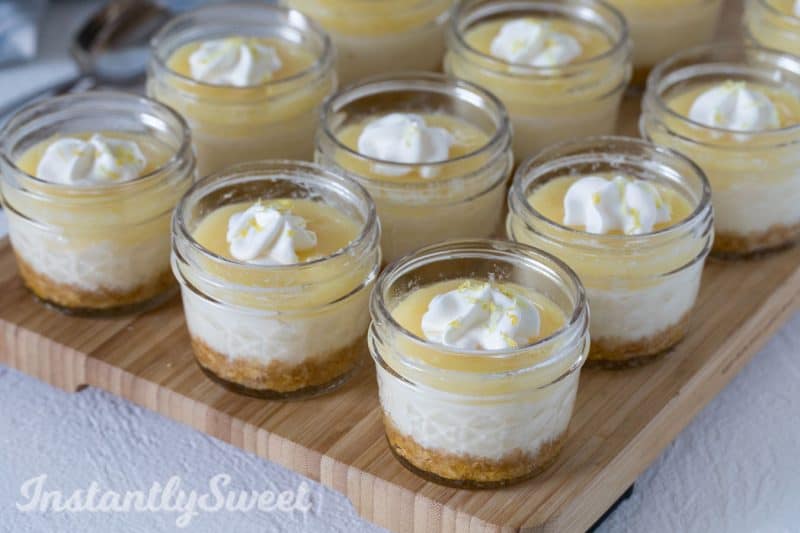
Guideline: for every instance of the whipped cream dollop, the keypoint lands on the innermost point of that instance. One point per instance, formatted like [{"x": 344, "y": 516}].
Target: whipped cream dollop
[
  {"x": 73, "y": 161},
  {"x": 267, "y": 236},
  {"x": 602, "y": 205},
  {"x": 536, "y": 44},
  {"x": 479, "y": 316},
  {"x": 405, "y": 138},
  {"x": 734, "y": 105},
  {"x": 237, "y": 61}
]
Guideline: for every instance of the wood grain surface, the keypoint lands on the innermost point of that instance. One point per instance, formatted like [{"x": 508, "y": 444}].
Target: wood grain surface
[{"x": 623, "y": 420}]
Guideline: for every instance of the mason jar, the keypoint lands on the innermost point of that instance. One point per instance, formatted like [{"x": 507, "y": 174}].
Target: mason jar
[
  {"x": 235, "y": 124},
  {"x": 641, "y": 288},
  {"x": 381, "y": 36},
  {"x": 773, "y": 24},
  {"x": 95, "y": 248},
  {"x": 472, "y": 418},
  {"x": 277, "y": 330},
  {"x": 755, "y": 175},
  {"x": 660, "y": 28},
  {"x": 462, "y": 196},
  {"x": 547, "y": 104}
]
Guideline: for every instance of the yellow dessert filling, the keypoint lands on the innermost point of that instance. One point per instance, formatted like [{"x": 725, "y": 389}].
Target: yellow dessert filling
[
  {"x": 199, "y": 101},
  {"x": 784, "y": 6},
  {"x": 320, "y": 283},
  {"x": 334, "y": 230},
  {"x": 102, "y": 207},
  {"x": 468, "y": 140},
  {"x": 473, "y": 367},
  {"x": 593, "y": 41},
  {"x": 548, "y": 200},
  {"x": 681, "y": 99},
  {"x": 294, "y": 59}
]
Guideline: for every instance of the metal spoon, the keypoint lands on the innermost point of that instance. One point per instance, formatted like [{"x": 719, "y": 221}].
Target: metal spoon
[{"x": 111, "y": 48}]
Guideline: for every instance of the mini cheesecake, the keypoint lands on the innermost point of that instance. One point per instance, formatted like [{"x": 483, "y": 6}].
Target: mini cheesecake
[
  {"x": 774, "y": 24},
  {"x": 381, "y": 36},
  {"x": 728, "y": 128},
  {"x": 659, "y": 28},
  {"x": 560, "y": 75},
  {"x": 91, "y": 234},
  {"x": 250, "y": 92},
  {"x": 434, "y": 154},
  {"x": 439, "y": 429}
]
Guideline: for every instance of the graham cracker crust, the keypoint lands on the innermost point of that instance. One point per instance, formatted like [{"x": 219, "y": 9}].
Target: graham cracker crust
[
  {"x": 469, "y": 472},
  {"x": 74, "y": 300},
  {"x": 736, "y": 246},
  {"x": 279, "y": 379},
  {"x": 614, "y": 353}
]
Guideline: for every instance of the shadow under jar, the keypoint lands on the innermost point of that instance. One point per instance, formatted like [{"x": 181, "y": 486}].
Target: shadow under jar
[
  {"x": 773, "y": 24},
  {"x": 660, "y": 28},
  {"x": 477, "y": 418},
  {"x": 249, "y": 79},
  {"x": 641, "y": 287},
  {"x": 457, "y": 194},
  {"x": 89, "y": 241},
  {"x": 381, "y": 36},
  {"x": 561, "y": 75},
  {"x": 754, "y": 173},
  {"x": 272, "y": 329}
]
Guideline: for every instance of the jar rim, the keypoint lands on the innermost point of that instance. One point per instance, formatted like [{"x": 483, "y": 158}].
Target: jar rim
[
  {"x": 22, "y": 116},
  {"x": 498, "y": 142},
  {"x": 543, "y": 160},
  {"x": 775, "y": 11},
  {"x": 622, "y": 40},
  {"x": 654, "y": 93},
  {"x": 295, "y": 18},
  {"x": 452, "y": 248},
  {"x": 277, "y": 169}
]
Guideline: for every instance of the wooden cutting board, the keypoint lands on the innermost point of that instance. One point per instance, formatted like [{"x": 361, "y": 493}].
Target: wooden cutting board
[{"x": 623, "y": 420}]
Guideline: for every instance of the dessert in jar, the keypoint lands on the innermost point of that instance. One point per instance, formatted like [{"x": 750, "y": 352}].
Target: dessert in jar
[
  {"x": 478, "y": 347},
  {"x": 381, "y": 36},
  {"x": 560, "y": 68},
  {"x": 659, "y": 28},
  {"x": 276, "y": 260},
  {"x": 774, "y": 24},
  {"x": 89, "y": 183},
  {"x": 249, "y": 78},
  {"x": 635, "y": 222},
  {"x": 735, "y": 111},
  {"x": 434, "y": 154}
]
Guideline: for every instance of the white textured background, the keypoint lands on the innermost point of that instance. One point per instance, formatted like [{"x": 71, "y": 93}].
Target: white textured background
[{"x": 735, "y": 469}]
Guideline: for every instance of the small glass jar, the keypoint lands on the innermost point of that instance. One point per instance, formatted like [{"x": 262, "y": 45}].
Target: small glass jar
[
  {"x": 465, "y": 199},
  {"x": 285, "y": 331},
  {"x": 547, "y": 104},
  {"x": 101, "y": 250},
  {"x": 755, "y": 176},
  {"x": 641, "y": 288},
  {"x": 477, "y": 419},
  {"x": 231, "y": 125},
  {"x": 660, "y": 28},
  {"x": 773, "y": 24},
  {"x": 381, "y": 36}
]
